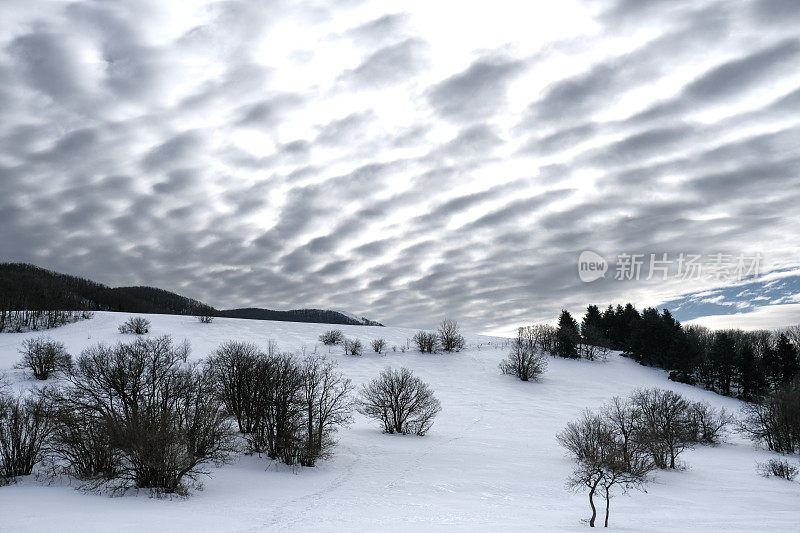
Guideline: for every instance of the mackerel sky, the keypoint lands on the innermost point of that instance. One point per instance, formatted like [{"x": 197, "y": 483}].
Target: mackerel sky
[{"x": 403, "y": 161}]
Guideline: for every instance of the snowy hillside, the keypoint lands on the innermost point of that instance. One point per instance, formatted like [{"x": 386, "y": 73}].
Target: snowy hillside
[{"x": 490, "y": 463}]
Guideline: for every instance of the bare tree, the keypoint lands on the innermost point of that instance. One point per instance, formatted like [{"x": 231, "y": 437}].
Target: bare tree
[
  {"x": 664, "y": 427},
  {"x": 523, "y": 361},
  {"x": 706, "y": 424},
  {"x": 331, "y": 337},
  {"x": 593, "y": 345},
  {"x": 136, "y": 325},
  {"x": 235, "y": 366},
  {"x": 25, "y": 426},
  {"x": 81, "y": 443},
  {"x": 352, "y": 346},
  {"x": 426, "y": 341},
  {"x": 775, "y": 421},
  {"x": 778, "y": 468},
  {"x": 601, "y": 464},
  {"x": 401, "y": 401},
  {"x": 625, "y": 419},
  {"x": 160, "y": 413},
  {"x": 450, "y": 339},
  {"x": 327, "y": 406},
  {"x": 379, "y": 345},
  {"x": 43, "y": 356}
]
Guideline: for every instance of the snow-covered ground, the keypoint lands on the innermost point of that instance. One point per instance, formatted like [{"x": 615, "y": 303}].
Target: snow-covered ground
[{"x": 490, "y": 463}]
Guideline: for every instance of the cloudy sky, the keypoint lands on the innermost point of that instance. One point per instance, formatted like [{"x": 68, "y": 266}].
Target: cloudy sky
[{"x": 403, "y": 161}]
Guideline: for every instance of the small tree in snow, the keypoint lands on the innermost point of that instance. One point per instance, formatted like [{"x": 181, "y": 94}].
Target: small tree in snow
[
  {"x": 352, "y": 346},
  {"x": 426, "y": 341},
  {"x": 601, "y": 464},
  {"x": 450, "y": 339},
  {"x": 379, "y": 345},
  {"x": 136, "y": 325},
  {"x": 401, "y": 401},
  {"x": 331, "y": 337},
  {"x": 43, "y": 356},
  {"x": 523, "y": 361}
]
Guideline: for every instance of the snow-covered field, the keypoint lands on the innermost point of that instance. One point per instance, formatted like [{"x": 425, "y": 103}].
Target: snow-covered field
[{"x": 490, "y": 463}]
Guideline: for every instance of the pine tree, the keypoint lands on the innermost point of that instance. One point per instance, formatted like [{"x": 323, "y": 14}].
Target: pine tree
[
  {"x": 750, "y": 377},
  {"x": 592, "y": 319},
  {"x": 567, "y": 336},
  {"x": 721, "y": 357},
  {"x": 786, "y": 359}
]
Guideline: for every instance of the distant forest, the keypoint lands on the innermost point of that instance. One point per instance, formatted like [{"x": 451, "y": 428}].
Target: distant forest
[
  {"x": 29, "y": 296},
  {"x": 732, "y": 362}
]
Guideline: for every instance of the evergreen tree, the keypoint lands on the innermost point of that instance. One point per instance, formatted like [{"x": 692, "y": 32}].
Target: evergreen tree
[
  {"x": 684, "y": 358},
  {"x": 567, "y": 336},
  {"x": 722, "y": 358},
  {"x": 786, "y": 359},
  {"x": 750, "y": 376},
  {"x": 592, "y": 319}
]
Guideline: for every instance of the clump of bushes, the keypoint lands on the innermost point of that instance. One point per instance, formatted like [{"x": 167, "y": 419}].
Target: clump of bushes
[
  {"x": 379, "y": 346},
  {"x": 778, "y": 468},
  {"x": 135, "y": 325},
  {"x": 140, "y": 414},
  {"x": 426, "y": 341},
  {"x": 25, "y": 426},
  {"x": 524, "y": 361},
  {"x": 43, "y": 356},
  {"x": 352, "y": 346},
  {"x": 287, "y": 407},
  {"x": 402, "y": 402},
  {"x": 205, "y": 318},
  {"x": 629, "y": 437},
  {"x": 775, "y": 419},
  {"x": 450, "y": 338},
  {"x": 331, "y": 337}
]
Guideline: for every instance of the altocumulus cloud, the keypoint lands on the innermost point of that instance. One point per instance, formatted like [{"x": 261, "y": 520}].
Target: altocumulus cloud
[{"x": 404, "y": 164}]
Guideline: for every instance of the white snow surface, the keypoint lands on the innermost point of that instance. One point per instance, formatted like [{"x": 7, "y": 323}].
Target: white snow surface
[{"x": 490, "y": 463}]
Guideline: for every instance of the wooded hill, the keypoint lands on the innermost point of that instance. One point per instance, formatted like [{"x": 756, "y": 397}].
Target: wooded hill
[{"x": 28, "y": 287}]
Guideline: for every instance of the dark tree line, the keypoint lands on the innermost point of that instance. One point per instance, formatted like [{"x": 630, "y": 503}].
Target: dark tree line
[
  {"x": 34, "y": 298},
  {"x": 745, "y": 364}
]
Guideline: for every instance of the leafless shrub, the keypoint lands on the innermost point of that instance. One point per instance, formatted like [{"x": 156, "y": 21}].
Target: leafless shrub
[
  {"x": 401, "y": 401},
  {"x": 601, "y": 461},
  {"x": 664, "y": 424},
  {"x": 326, "y": 406},
  {"x": 236, "y": 369},
  {"x": 331, "y": 337},
  {"x": 205, "y": 318},
  {"x": 81, "y": 443},
  {"x": 707, "y": 425},
  {"x": 775, "y": 468},
  {"x": 280, "y": 424},
  {"x": 426, "y": 341},
  {"x": 379, "y": 345},
  {"x": 43, "y": 356},
  {"x": 523, "y": 362},
  {"x": 136, "y": 325},
  {"x": 25, "y": 426},
  {"x": 450, "y": 340},
  {"x": 775, "y": 421},
  {"x": 159, "y": 412},
  {"x": 352, "y": 346}
]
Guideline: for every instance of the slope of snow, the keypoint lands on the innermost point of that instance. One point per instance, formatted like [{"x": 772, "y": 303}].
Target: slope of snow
[{"x": 490, "y": 463}]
